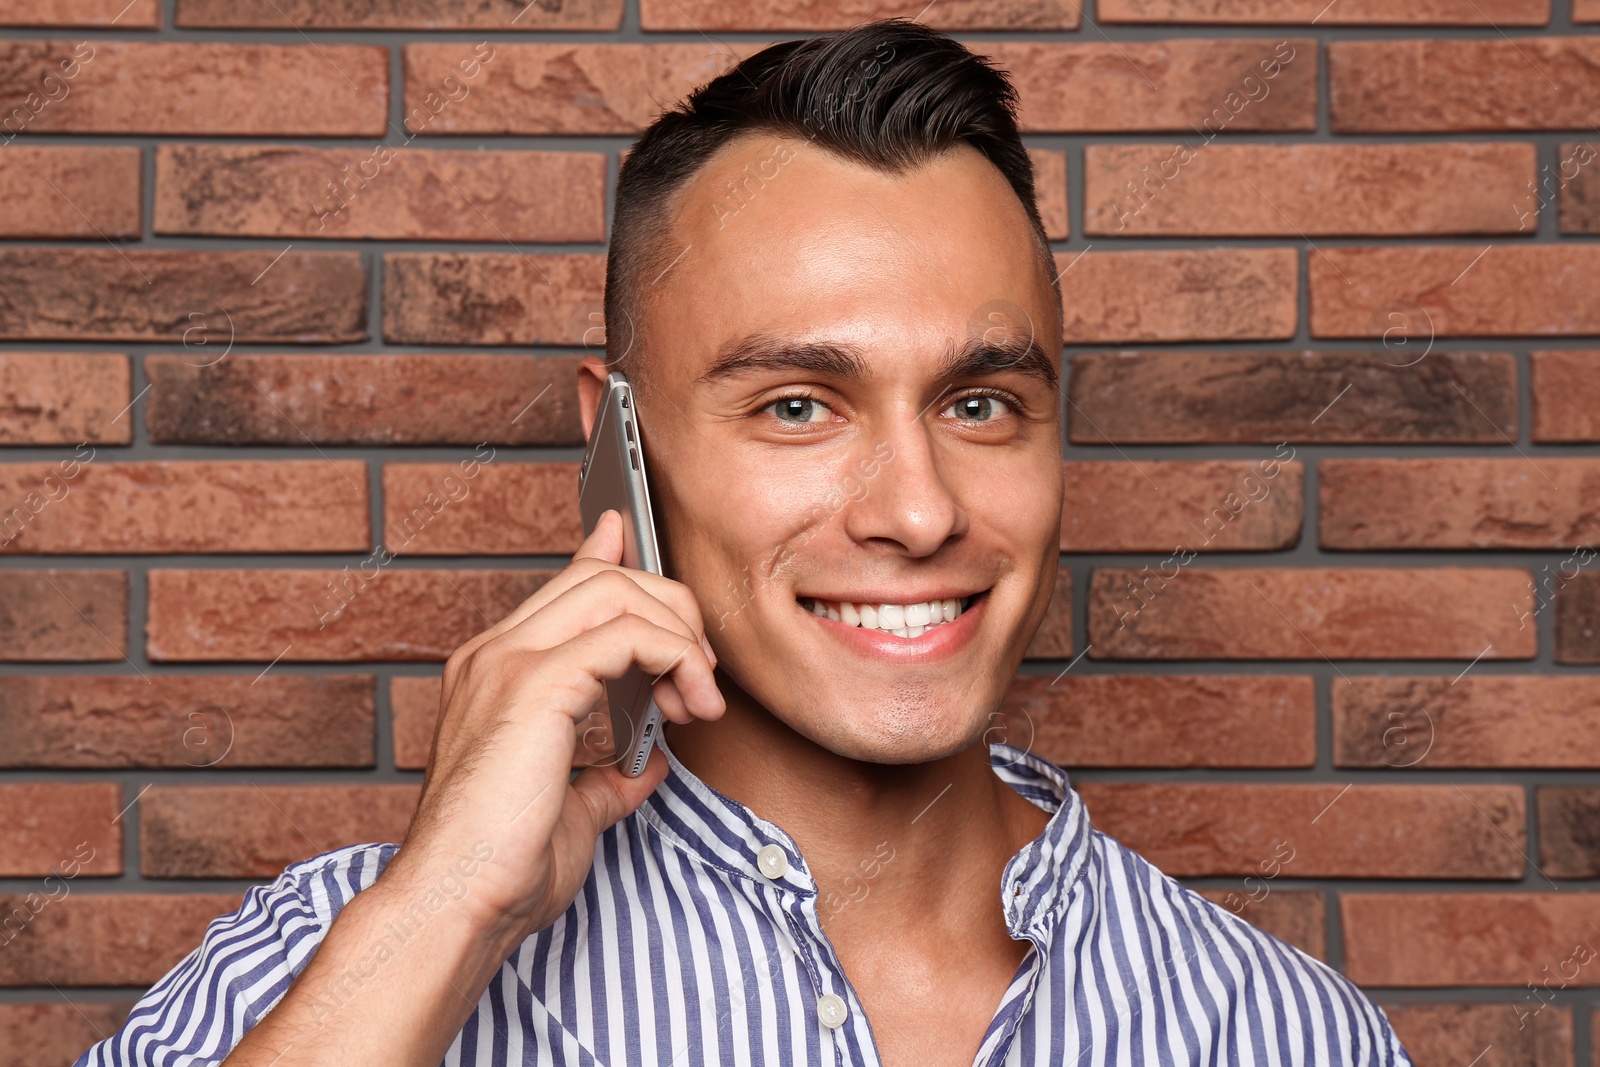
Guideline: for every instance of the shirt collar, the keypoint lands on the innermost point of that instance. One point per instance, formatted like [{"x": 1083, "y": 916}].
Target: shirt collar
[{"x": 1037, "y": 883}]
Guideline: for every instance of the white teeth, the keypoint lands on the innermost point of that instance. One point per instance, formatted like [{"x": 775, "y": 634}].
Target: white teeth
[
  {"x": 918, "y": 615},
  {"x": 891, "y": 616},
  {"x": 869, "y": 616},
  {"x": 902, "y": 620},
  {"x": 849, "y": 615}
]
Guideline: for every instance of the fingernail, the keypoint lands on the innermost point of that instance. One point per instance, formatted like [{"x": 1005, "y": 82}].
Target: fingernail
[{"x": 712, "y": 656}]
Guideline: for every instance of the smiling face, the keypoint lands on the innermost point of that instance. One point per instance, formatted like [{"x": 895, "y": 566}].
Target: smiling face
[{"x": 807, "y": 442}]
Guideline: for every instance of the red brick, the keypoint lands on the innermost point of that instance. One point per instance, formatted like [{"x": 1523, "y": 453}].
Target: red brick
[
  {"x": 1050, "y": 191},
  {"x": 70, "y": 191},
  {"x": 723, "y": 15},
  {"x": 487, "y": 509},
  {"x": 1199, "y": 190},
  {"x": 1456, "y": 1033},
  {"x": 1458, "y": 503},
  {"x": 62, "y": 398},
  {"x": 1586, "y": 10},
  {"x": 1153, "y": 720},
  {"x": 1478, "y": 720},
  {"x": 561, "y": 88},
  {"x": 1200, "y": 85},
  {"x": 199, "y": 87},
  {"x": 1214, "y": 294},
  {"x": 249, "y": 831},
  {"x": 401, "y": 15},
  {"x": 1449, "y": 291},
  {"x": 57, "y": 828},
  {"x": 202, "y": 300},
  {"x": 61, "y": 615},
  {"x": 1575, "y": 184},
  {"x": 48, "y": 1035},
  {"x": 352, "y": 399},
  {"x": 492, "y": 298},
  {"x": 1577, "y": 616},
  {"x": 1053, "y": 639},
  {"x": 1431, "y": 85},
  {"x": 1125, "y": 505},
  {"x": 258, "y": 615},
  {"x": 1245, "y": 397},
  {"x": 121, "y": 14},
  {"x": 1296, "y": 916},
  {"x": 1568, "y": 844},
  {"x": 415, "y": 705},
  {"x": 1471, "y": 939},
  {"x": 285, "y": 505},
  {"x": 106, "y": 939},
  {"x": 1480, "y": 13},
  {"x": 1324, "y": 830},
  {"x": 1310, "y": 613},
  {"x": 1566, "y": 395},
  {"x": 288, "y": 191},
  {"x": 210, "y": 720}
]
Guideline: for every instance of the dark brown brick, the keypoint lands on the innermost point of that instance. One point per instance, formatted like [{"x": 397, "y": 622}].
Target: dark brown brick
[
  {"x": 1472, "y": 939},
  {"x": 1157, "y": 505},
  {"x": 196, "y": 88},
  {"x": 1574, "y": 184},
  {"x": 211, "y": 720},
  {"x": 1430, "y": 85},
  {"x": 249, "y": 831},
  {"x": 351, "y": 399},
  {"x": 1458, "y": 503},
  {"x": 1566, "y": 395},
  {"x": 1197, "y": 190},
  {"x": 121, "y": 14},
  {"x": 379, "y": 192},
  {"x": 258, "y": 615},
  {"x": 62, "y": 398},
  {"x": 1309, "y": 613},
  {"x": 1053, "y": 639},
  {"x": 493, "y": 298},
  {"x": 1153, "y": 720},
  {"x": 1578, "y": 617},
  {"x": 70, "y": 191},
  {"x": 1521, "y": 1035},
  {"x": 1569, "y": 831},
  {"x": 402, "y": 15},
  {"x": 1316, "y": 831},
  {"x": 69, "y": 830},
  {"x": 1209, "y": 86},
  {"x": 105, "y": 939},
  {"x": 1455, "y": 290},
  {"x": 61, "y": 615},
  {"x": 487, "y": 509},
  {"x": 292, "y": 505},
  {"x": 1476, "y": 720},
  {"x": 1227, "y": 294},
  {"x": 48, "y": 1035},
  {"x": 1267, "y": 397},
  {"x": 1296, "y": 916},
  {"x": 202, "y": 300},
  {"x": 723, "y": 15},
  {"x": 1480, "y": 13},
  {"x": 415, "y": 704}
]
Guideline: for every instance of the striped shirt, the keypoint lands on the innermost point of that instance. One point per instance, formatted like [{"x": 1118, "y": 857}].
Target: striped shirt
[{"x": 698, "y": 939}]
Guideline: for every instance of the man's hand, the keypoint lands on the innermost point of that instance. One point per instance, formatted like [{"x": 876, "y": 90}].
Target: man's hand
[{"x": 498, "y": 801}]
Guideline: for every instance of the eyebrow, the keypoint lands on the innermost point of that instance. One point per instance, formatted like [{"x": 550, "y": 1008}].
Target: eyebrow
[{"x": 974, "y": 359}]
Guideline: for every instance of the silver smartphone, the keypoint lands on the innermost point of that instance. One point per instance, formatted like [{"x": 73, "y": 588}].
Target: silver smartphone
[{"x": 613, "y": 476}]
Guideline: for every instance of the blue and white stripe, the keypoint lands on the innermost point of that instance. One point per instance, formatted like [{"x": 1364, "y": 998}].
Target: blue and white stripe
[{"x": 679, "y": 951}]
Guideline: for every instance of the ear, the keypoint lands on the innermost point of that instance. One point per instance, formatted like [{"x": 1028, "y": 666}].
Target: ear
[{"x": 592, "y": 371}]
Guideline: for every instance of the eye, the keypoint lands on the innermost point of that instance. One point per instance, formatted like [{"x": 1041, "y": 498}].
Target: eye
[
  {"x": 800, "y": 409},
  {"x": 980, "y": 407}
]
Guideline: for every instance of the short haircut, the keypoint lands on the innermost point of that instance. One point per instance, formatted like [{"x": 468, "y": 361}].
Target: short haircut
[{"x": 890, "y": 94}]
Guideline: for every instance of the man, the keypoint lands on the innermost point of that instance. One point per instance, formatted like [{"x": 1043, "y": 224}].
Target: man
[{"x": 831, "y": 290}]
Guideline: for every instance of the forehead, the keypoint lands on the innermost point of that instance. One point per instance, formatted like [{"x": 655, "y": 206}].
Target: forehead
[{"x": 780, "y": 236}]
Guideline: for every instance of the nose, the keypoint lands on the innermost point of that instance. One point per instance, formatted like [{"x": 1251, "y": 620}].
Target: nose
[{"x": 909, "y": 502}]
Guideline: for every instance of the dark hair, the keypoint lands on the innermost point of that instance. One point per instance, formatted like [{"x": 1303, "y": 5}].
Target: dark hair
[{"x": 889, "y": 94}]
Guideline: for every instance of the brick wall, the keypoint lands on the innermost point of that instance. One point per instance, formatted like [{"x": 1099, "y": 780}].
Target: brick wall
[{"x": 1324, "y": 640}]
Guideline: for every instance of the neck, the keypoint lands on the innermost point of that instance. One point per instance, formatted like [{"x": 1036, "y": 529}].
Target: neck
[{"x": 897, "y": 845}]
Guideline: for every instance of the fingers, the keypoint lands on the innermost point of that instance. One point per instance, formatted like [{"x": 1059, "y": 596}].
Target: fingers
[
  {"x": 609, "y": 649},
  {"x": 608, "y": 795}
]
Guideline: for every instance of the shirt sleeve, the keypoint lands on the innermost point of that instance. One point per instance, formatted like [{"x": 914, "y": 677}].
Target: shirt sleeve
[{"x": 243, "y": 966}]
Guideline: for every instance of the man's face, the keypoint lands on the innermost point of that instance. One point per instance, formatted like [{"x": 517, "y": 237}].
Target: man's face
[{"x": 783, "y": 482}]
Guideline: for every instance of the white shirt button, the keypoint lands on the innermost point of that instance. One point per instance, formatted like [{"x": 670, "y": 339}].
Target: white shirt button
[
  {"x": 832, "y": 1009},
  {"x": 772, "y": 861}
]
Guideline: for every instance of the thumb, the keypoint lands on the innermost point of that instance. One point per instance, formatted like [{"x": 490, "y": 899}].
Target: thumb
[
  {"x": 608, "y": 795},
  {"x": 605, "y": 540}
]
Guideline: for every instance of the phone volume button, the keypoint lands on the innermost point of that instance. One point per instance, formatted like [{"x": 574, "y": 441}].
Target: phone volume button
[
  {"x": 628, "y": 428},
  {"x": 633, "y": 457}
]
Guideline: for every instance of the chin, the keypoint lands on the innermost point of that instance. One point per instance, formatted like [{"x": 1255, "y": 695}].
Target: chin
[{"x": 920, "y": 734}]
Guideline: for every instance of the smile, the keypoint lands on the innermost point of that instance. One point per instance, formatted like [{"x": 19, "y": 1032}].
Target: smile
[{"x": 910, "y": 620}]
